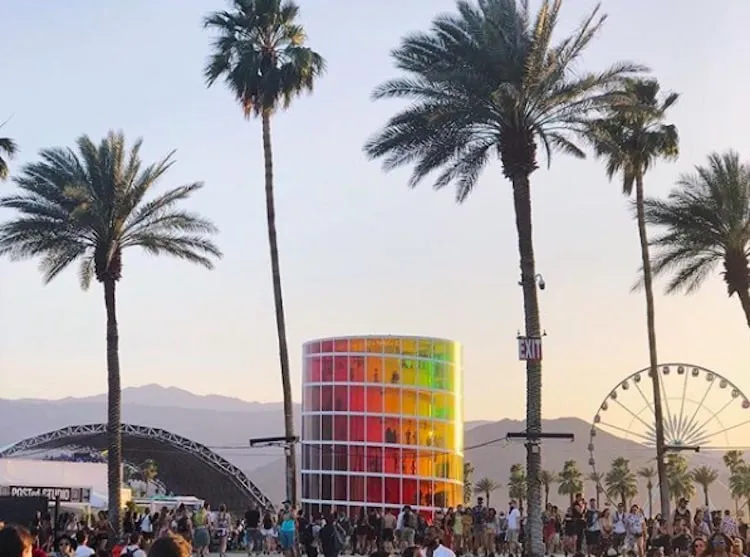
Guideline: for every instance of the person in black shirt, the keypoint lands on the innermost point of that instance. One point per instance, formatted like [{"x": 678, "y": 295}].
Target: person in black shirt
[
  {"x": 682, "y": 539},
  {"x": 661, "y": 538},
  {"x": 252, "y": 531}
]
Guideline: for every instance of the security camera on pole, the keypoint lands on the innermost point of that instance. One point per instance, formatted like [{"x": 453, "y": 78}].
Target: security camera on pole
[{"x": 530, "y": 350}]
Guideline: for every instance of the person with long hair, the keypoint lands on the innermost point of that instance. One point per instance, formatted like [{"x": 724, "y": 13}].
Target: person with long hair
[
  {"x": 15, "y": 541},
  {"x": 170, "y": 545},
  {"x": 719, "y": 545}
]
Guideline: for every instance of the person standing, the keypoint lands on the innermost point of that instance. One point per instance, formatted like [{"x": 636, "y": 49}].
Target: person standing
[{"x": 514, "y": 528}]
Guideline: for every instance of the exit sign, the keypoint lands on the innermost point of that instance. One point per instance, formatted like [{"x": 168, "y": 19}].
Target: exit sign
[{"x": 529, "y": 348}]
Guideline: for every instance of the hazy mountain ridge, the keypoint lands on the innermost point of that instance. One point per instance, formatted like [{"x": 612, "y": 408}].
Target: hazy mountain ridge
[{"x": 227, "y": 424}]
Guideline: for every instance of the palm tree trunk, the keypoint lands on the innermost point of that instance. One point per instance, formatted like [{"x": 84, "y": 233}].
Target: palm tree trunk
[
  {"x": 650, "y": 502},
  {"x": 487, "y": 493},
  {"x": 546, "y": 496},
  {"x": 286, "y": 383},
  {"x": 744, "y": 297},
  {"x": 522, "y": 205},
  {"x": 705, "y": 494},
  {"x": 653, "y": 362},
  {"x": 114, "y": 411}
]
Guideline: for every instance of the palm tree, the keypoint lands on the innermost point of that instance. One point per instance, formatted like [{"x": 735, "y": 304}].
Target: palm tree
[
  {"x": 679, "y": 480},
  {"x": 89, "y": 207},
  {"x": 570, "y": 480},
  {"x": 596, "y": 479},
  {"x": 489, "y": 81},
  {"x": 260, "y": 53},
  {"x": 518, "y": 485},
  {"x": 649, "y": 474},
  {"x": 8, "y": 148},
  {"x": 621, "y": 481},
  {"x": 733, "y": 459},
  {"x": 706, "y": 221},
  {"x": 468, "y": 484},
  {"x": 704, "y": 476},
  {"x": 487, "y": 486},
  {"x": 149, "y": 469},
  {"x": 631, "y": 138},
  {"x": 739, "y": 483},
  {"x": 547, "y": 478}
]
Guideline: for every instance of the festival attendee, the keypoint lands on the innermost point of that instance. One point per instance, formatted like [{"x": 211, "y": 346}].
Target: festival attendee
[
  {"x": 718, "y": 545},
  {"x": 82, "y": 548},
  {"x": 635, "y": 530},
  {"x": 223, "y": 525},
  {"x": 15, "y": 541},
  {"x": 201, "y": 533},
  {"x": 133, "y": 547},
  {"x": 170, "y": 545},
  {"x": 513, "y": 534},
  {"x": 253, "y": 537},
  {"x": 433, "y": 546}
]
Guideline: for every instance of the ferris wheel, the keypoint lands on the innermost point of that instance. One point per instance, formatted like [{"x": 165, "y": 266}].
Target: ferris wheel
[{"x": 700, "y": 409}]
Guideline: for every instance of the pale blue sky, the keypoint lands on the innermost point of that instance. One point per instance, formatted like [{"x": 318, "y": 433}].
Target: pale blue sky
[{"x": 360, "y": 252}]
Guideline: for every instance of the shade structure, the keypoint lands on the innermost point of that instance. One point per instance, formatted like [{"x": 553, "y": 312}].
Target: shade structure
[{"x": 382, "y": 424}]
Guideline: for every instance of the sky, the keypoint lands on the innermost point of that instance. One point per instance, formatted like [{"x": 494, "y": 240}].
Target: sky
[{"x": 360, "y": 251}]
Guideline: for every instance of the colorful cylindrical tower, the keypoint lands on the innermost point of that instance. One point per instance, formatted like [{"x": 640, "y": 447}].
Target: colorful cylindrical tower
[{"x": 382, "y": 423}]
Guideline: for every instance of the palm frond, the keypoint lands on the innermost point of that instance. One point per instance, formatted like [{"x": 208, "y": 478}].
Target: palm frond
[
  {"x": 484, "y": 81},
  {"x": 259, "y": 51},
  {"x": 88, "y": 205},
  {"x": 704, "y": 221}
]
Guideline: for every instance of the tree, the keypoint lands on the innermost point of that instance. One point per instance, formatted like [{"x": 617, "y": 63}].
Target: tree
[
  {"x": 704, "y": 476},
  {"x": 733, "y": 460},
  {"x": 597, "y": 479},
  {"x": 518, "y": 485},
  {"x": 739, "y": 483},
  {"x": 570, "y": 480},
  {"x": 487, "y": 486},
  {"x": 631, "y": 138},
  {"x": 89, "y": 207},
  {"x": 8, "y": 149},
  {"x": 706, "y": 222},
  {"x": 149, "y": 470},
  {"x": 468, "y": 483},
  {"x": 679, "y": 480},
  {"x": 547, "y": 478},
  {"x": 489, "y": 81},
  {"x": 260, "y": 53},
  {"x": 648, "y": 473},
  {"x": 621, "y": 481}
]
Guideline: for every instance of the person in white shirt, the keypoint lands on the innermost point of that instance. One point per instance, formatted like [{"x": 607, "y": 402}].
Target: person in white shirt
[
  {"x": 433, "y": 546},
  {"x": 82, "y": 550},
  {"x": 147, "y": 529},
  {"x": 133, "y": 549},
  {"x": 514, "y": 528}
]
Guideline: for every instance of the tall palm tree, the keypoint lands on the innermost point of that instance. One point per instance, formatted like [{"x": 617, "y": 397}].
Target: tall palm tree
[
  {"x": 88, "y": 207},
  {"x": 468, "y": 482},
  {"x": 621, "y": 481},
  {"x": 649, "y": 474},
  {"x": 490, "y": 82},
  {"x": 704, "y": 476},
  {"x": 547, "y": 478},
  {"x": 487, "y": 486},
  {"x": 261, "y": 54},
  {"x": 630, "y": 139},
  {"x": 8, "y": 148},
  {"x": 570, "y": 480},
  {"x": 706, "y": 222},
  {"x": 679, "y": 480},
  {"x": 596, "y": 479},
  {"x": 518, "y": 485}
]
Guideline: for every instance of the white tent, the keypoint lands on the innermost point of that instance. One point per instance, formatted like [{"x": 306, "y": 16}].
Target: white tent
[{"x": 47, "y": 473}]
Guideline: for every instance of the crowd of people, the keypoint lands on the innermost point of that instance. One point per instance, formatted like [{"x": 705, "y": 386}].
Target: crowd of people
[{"x": 582, "y": 530}]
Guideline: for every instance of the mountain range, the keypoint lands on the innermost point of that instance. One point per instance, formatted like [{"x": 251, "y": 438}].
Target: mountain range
[{"x": 226, "y": 424}]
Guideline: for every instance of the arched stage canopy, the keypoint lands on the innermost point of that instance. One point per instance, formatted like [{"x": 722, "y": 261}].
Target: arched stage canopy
[{"x": 185, "y": 467}]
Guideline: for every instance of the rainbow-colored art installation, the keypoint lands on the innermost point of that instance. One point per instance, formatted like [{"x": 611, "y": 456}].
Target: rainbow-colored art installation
[{"x": 382, "y": 424}]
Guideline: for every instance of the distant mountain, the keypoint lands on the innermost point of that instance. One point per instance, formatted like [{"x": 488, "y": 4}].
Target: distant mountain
[
  {"x": 172, "y": 397},
  {"x": 226, "y": 424}
]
